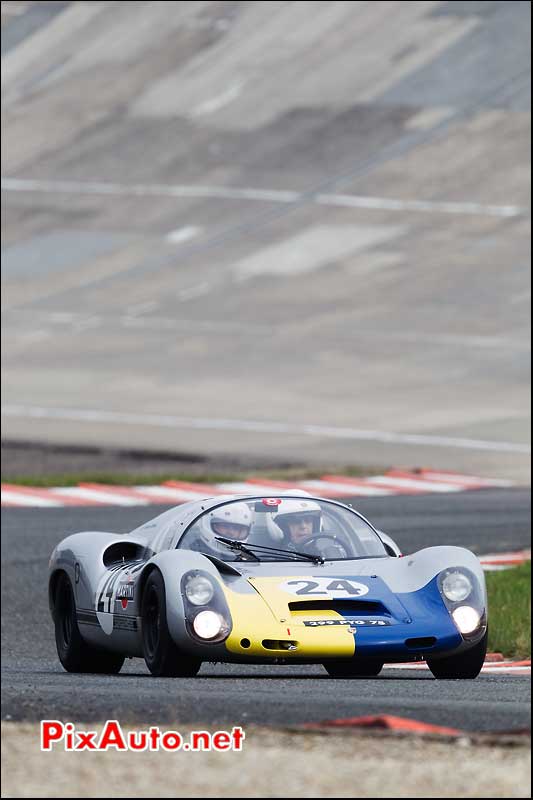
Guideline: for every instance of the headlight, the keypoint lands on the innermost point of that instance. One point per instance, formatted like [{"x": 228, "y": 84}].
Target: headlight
[
  {"x": 199, "y": 590},
  {"x": 456, "y": 587},
  {"x": 466, "y": 618},
  {"x": 208, "y": 624},
  {"x": 207, "y": 616}
]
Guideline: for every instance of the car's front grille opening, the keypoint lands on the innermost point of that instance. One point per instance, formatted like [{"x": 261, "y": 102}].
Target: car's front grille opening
[
  {"x": 345, "y": 607},
  {"x": 279, "y": 644},
  {"x": 420, "y": 643}
]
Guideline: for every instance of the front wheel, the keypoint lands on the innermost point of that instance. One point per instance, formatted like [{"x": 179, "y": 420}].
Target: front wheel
[
  {"x": 367, "y": 668},
  {"x": 161, "y": 655},
  {"x": 73, "y": 651},
  {"x": 466, "y": 665}
]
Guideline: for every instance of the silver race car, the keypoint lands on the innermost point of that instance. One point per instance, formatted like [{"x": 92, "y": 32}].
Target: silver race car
[{"x": 266, "y": 579}]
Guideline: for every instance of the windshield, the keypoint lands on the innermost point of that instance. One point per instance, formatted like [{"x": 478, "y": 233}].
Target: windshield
[{"x": 282, "y": 529}]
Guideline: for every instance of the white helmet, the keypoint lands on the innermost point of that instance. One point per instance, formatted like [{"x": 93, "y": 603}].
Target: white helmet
[
  {"x": 293, "y": 509},
  {"x": 236, "y": 516}
]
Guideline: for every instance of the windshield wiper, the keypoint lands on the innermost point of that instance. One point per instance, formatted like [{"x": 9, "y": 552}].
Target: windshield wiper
[
  {"x": 309, "y": 556},
  {"x": 236, "y": 545}
]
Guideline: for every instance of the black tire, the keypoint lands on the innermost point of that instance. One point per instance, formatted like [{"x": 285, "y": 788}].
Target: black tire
[
  {"x": 73, "y": 651},
  {"x": 162, "y": 656},
  {"x": 356, "y": 668},
  {"x": 466, "y": 665}
]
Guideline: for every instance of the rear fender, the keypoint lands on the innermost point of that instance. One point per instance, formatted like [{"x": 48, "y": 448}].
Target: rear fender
[{"x": 86, "y": 557}]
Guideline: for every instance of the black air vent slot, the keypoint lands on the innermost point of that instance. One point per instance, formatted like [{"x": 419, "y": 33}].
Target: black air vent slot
[
  {"x": 422, "y": 643},
  {"x": 279, "y": 644},
  {"x": 341, "y": 606}
]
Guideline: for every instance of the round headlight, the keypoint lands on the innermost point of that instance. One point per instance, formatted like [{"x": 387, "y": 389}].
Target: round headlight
[
  {"x": 199, "y": 590},
  {"x": 466, "y": 618},
  {"x": 207, "y": 624},
  {"x": 456, "y": 587}
]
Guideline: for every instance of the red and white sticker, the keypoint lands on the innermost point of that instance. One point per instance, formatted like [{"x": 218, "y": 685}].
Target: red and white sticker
[{"x": 271, "y": 501}]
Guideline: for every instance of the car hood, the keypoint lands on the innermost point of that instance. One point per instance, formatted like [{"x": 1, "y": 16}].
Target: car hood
[{"x": 308, "y": 596}]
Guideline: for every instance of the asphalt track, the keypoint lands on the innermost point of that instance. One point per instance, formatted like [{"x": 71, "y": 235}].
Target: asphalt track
[{"x": 34, "y": 686}]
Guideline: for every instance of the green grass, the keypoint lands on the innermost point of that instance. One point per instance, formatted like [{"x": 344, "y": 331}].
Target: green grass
[
  {"x": 509, "y": 596},
  {"x": 115, "y": 478},
  {"x": 140, "y": 479}
]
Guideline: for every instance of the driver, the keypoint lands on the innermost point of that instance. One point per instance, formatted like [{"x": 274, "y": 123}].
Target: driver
[
  {"x": 299, "y": 521},
  {"x": 302, "y": 525}
]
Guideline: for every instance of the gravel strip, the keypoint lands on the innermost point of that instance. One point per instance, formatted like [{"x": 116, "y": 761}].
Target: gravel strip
[{"x": 271, "y": 764}]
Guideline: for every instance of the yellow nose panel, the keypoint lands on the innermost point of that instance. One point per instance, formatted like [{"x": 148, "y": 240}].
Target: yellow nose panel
[{"x": 265, "y": 617}]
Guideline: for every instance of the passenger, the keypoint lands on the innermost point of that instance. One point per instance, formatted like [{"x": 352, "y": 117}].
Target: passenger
[{"x": 232, "y": 521}]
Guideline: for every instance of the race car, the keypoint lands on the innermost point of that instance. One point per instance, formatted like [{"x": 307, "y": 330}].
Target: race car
[{"x": 290, "y": 579}]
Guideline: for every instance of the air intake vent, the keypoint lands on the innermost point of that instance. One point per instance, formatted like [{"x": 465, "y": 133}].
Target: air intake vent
[
  {"x": 348, "y": 607},
  {"x": 124, "y": 552},
  {"x": 279, "y": 644},
  {"x": 421, "y": 643}
]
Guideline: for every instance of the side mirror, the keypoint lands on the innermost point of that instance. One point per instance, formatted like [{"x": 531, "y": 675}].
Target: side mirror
[{"x": 390, "y": 545}]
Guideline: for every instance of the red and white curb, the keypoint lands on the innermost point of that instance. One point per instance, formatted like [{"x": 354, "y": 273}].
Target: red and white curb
[
  {"x": 393, "y": 482},
  {"x": 493, "y": 562},
  {"x": 490, "y": 667}
]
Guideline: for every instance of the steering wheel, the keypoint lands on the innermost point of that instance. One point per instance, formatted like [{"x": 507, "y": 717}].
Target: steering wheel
[{"x": 314, "y": 540}]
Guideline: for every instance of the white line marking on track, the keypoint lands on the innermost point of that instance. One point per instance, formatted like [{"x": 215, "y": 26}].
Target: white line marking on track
[
  {"x": 266, "y": 195},
  {"x": 255, "y": 426},
  {"x": 221, "y": 100},
  {"x": 390, "y": 204},
  {"x": 149, "y": 190},
  {"x": 182, "y": 234},
  {"x": 194, "y": 291}
]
